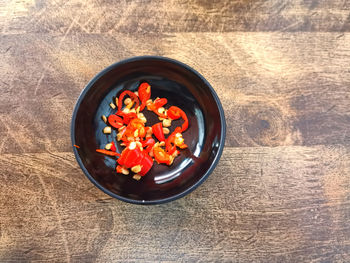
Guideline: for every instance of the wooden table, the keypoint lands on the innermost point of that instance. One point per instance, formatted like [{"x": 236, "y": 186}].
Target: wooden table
[{"x": 281, "y": 192}]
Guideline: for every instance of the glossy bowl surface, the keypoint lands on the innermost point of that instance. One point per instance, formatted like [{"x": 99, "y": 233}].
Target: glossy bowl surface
[{"x": 183, "y": 87}]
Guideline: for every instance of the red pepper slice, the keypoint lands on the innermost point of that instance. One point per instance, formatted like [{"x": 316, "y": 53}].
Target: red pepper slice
[
  {"x": 113, "y": 147},
  {"x": 148, "y": 144},
  {"x": 148, "y": 141},
  {"x": 133, "y": 158},
  {"x": 119, "y": 169},
  {"x": 161, "y": 156},
  {"x": 185, "y": 124},
  {"x": 142, "y": 132},
  {"x": 122, "y": 158},
  {"x": 158, "y": 131},
  {"x": 160, "y": 102},
  {"x": 170, "y": 141},
  {"x": 115, "y": 121},
  {"x": 123, "y": 135},
  {"x": 135, "y": 124},
  {"x": 146, "y": 164},
  {"x": 127, "y": 117},
  {"x": 144, "y": 94},
  {"x": 131, "y": 94},
  {"x": 110, "y": 153},
  {"x": 130, "y": 158},
  {"x": 156, "y": 105},
  {"x": 175, "y": 113}
]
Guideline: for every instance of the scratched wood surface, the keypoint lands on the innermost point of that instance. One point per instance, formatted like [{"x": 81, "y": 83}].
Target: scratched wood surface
[{"x": 281, "y": 192}]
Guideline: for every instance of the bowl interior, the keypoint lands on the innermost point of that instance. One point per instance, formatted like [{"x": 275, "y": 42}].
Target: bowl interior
[{"x": 183, "y": 88}]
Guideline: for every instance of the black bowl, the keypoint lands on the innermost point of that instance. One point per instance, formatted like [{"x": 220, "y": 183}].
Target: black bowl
[{"x": 183, "y": 87}]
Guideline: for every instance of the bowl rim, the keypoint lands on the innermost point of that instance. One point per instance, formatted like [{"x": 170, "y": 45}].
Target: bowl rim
[{"x": 167, "y": 199}]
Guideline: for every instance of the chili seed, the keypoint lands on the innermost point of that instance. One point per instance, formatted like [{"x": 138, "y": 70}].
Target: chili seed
[
  {"x": 127, "y": 101},
  {"x": 166, "y": 122},
  {"x": 112, "y": 105},
  {"x": 136, "y": 169},
  {"x": 166, "y": 131},
  {"x": 161, "y": 110},
  {"x": 137, "y": 177},
  {"x": 132, "y": 146},
  {"x": 125, "y": 171},
  {"x": 136, "y": 133},
  {"x": 107, "y": 130},
  {"x": 104, "y": 118}
]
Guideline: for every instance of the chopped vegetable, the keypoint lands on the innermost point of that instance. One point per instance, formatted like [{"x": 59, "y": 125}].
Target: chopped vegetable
[
  {"x": 113, "y": 147},
  {"x": 107, "y": 130},
  {"x": 115, "y": 121},
  {"x": 167, "y": 122},
  {"x": 175, "y": 113},
  {"x": 110, "y": 153},
  {"x": 104, "y": 118},
  {"x": 132, "y": 132},
  {"x": 112, "y": 105},
  {"x": 137, "y": 177},
  {"x": 144, "y": 94},
  {"x": 132, "y": 96},
  {"x": 161, "y": 156},
  {"x": 156, "y": 105},
  {"x": 158, "y": 131}
]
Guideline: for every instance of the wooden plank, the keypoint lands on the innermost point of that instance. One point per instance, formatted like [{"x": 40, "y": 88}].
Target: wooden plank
[
  {"x": 276, "y": 88},
  {"x": 260, "y": 204},
  {"x": 154, "y": 17}
]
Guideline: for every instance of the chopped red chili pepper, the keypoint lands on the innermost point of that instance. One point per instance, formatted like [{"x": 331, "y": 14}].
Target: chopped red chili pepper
[
  {"x": 161, "y": 156},
  {"x": 175, "y": 113},
  {"x": 156, "y": 105},
  {"x": 115, "y": 121},
  {"x": 148, "y": 144},
  {"x": 170, "y": 144},
  {"x": 132, "y": 96},
  {"x": 148, "y": 141},
  {"x": 110, "y": 153},
  {"x": 146, "y": 164},
  {"x": 130, "y": 157},
  {"x": 144, "y": 94},
  {"x": 137, "y": 138},
  {"x": 119, "y": 169},
  {"x": 158, "y": 131},
  {"x": 170, "y": 141},
  {"x": 185, "y": 124},
  {"x": 113, "y": 147},
  {"x": 127, "y": 117},
  {"x": 160, "y": 102},
  {"x": 135, "y": 124}
]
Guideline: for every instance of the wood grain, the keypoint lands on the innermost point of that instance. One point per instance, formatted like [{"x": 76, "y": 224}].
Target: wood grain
[
  {"x": 281, "y": 190},
  {"x": 154, "y": 17},
  {"x": 261, "y": 203},
  {"x": 276, "y": 88}
]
